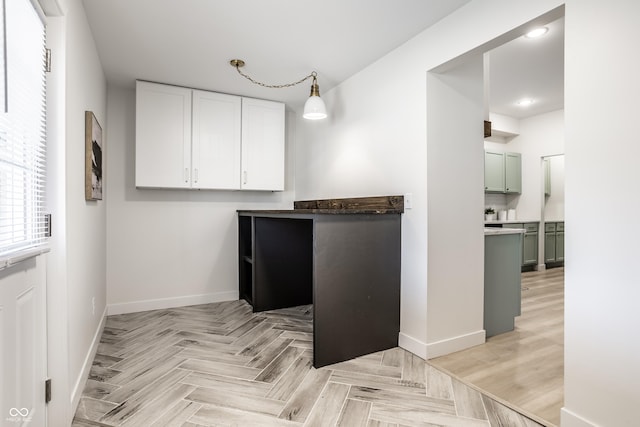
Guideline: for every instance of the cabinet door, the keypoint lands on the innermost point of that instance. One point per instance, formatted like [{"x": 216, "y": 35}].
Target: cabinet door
[
  {"x": 560, "y": 246},
  {"x": 262, "y": 145},
  {"x": 215, "y": 152},
  {"x": 493, "y": 172},
  {"x": 530, "y": 249},
  {"x": 163, "y": 136},
  {"x": 513, "y": 173},
  {"x": 547, "y": 177},
  {"x": 550, "y": 247}
]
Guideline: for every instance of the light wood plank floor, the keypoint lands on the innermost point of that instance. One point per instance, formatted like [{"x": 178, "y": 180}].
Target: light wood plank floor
[
  {"x": 222, "y": 365},
  {"x": 523, "y": 368}
]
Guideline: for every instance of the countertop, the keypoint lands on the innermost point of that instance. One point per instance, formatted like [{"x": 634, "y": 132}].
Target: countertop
[
  {"x": 511, "y": 221},
  {"x": 494, "y": 231},
  {"x": 321, "y": 212},
  {"x": 376, "y": 205}
]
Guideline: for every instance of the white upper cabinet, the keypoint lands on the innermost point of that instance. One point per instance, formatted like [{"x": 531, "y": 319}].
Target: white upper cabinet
[
  {"x": 215, "y": 156},
  {"x": 163, "y": 136},
  {"x": 187, "y": 138},
  {"x": 262, "y": 145}
]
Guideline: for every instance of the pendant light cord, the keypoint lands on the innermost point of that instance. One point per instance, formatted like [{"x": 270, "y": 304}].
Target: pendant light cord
[{"x": 238, "y": 65}]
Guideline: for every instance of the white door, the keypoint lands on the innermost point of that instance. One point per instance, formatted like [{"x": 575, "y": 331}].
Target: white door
[{"x": 23, "y": 352}]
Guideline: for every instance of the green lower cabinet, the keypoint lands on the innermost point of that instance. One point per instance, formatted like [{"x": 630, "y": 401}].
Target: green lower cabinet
[
  {"x": 529, "y": 242},
  {"x": 530, "y": 249},
  {"x": 550, "y": 247},
  {"x": 560, "y": 246},
  {"x": 554, "y": 242}
]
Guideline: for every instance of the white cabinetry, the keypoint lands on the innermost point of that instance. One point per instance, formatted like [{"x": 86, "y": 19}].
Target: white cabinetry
[
  {"x": 262, "y": 145},
  {"x": 216, "y": 140},
  {"x": 187, "y": 138},
  {"x": 163, "y": 136}
]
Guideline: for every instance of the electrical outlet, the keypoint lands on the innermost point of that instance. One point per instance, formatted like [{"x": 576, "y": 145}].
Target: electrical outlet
[
  {"x": 93, "y": 306},
  {"x": 408, "y": 201}
]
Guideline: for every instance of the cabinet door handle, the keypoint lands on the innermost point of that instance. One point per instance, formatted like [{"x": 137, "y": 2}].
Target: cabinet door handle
[
  {"x": 196, "y": 175},
  {"x": 186, "y": 175},
  {"x": 244, "y": 177}
]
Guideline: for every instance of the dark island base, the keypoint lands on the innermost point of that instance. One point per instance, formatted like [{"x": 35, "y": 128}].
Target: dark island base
[{"x": 346, "y": 265}]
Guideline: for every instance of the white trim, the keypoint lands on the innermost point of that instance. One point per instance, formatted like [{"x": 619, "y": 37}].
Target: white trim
[
  {"x": 570, "y": 419},
  {"x": 12, "y": 258},
  {"x": 541, "y": 267},
  {"x": 81, "y": 381},
  {"x": 162, "y": 303},
  {"x": 412, "y": 345},
  {"x": 451, "y": 345}
]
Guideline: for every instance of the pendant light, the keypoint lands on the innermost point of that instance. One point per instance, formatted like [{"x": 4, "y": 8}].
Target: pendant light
[{"x": 314, "y": 108}]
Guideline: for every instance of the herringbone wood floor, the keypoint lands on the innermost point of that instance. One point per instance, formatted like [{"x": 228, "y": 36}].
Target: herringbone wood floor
[{"x": 222, "y": 365}]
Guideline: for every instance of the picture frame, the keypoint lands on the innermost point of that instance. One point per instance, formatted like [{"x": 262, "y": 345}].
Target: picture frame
[{"x": 93, "y": 157}]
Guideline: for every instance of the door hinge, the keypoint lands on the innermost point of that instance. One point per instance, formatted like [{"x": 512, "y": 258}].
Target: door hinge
[
  {"x": 47, "y": 390},
  {"x": 47, "y": 61},
  {"x": 47, "y": 225}
]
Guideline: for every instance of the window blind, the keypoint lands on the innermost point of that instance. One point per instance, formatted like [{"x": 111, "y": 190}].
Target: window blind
[{"x": 22, "y": 134}]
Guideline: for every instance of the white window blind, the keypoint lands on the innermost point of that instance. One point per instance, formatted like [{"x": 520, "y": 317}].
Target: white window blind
[{"x": 22, "y": 134}]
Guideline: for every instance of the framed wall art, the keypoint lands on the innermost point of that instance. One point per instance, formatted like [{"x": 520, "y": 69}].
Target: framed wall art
[{"x": 93, "y": 157}]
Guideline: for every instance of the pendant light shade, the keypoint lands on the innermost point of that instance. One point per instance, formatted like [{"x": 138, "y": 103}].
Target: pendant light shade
[{"x": 314, "y": 108}]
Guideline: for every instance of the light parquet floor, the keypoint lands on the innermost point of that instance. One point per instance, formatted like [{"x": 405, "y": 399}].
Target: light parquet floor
[
  {"x": 523, "y": 368},
  {"x": 222, "y": 365}
]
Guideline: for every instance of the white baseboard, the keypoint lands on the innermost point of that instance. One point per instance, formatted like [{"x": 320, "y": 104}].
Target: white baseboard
[
  {"x": 541, "y": 267},
  {"x": 81, "y": 381},
  {"x": 162, "y": 303},
  {"x": 570, "y": 419},
  {"x": 451, "y": 345},
  {"x": 412, "y": 345}
]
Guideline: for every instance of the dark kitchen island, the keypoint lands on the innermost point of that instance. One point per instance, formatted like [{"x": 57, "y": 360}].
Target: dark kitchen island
[{"x": 342, "y": 256}]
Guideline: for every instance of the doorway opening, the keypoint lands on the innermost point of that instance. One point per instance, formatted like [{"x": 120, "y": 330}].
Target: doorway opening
[{"x": 539, "y": 134}]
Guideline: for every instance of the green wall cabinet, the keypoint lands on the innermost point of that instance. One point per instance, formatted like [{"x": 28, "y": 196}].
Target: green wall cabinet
[
  {"x": 512, "y": 173},
  {"x": 493, "y": 172},
  {"x": 502, "y": 172}
]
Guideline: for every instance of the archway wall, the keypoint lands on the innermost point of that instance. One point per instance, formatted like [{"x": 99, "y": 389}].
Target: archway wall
[{"x": 375, "y": 142}]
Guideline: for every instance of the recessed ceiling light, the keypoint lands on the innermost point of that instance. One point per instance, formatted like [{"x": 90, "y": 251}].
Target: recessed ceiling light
[
  {"x": 536, "y": 32},
  {"x": 525, "y": 102}
]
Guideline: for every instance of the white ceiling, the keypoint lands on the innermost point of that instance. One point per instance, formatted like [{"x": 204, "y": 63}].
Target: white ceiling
[
  {"x": 528, "y": 68},
  {"x": 190, "y": 42}
]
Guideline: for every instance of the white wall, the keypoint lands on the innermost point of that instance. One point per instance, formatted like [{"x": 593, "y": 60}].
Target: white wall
[
  {"x": 85, "y": 222},
  {"x": 58, "y": 410},
  {"x": 455, "y": 189},
  {"x": 168, "y": 248},
  {"x": 602, "y": 288},
  {"x": 541, "y": 135},
  {"x": 375, "y": 143}
]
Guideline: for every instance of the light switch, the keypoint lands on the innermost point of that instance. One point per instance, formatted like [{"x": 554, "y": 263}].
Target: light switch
[{"x": 408, "y": 201}]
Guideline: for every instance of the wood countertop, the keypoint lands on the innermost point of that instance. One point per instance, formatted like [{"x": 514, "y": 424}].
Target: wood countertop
[{"x": 380, "y": 205}]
